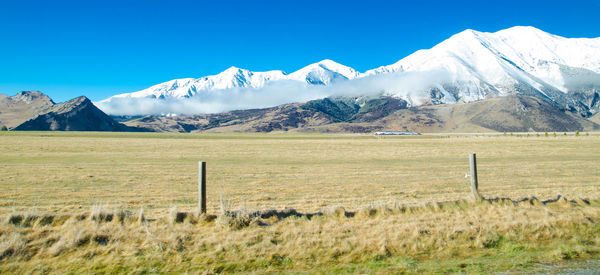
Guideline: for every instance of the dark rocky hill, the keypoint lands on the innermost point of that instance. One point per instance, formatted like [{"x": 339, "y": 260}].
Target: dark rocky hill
[{"x": 34, "y": 111}]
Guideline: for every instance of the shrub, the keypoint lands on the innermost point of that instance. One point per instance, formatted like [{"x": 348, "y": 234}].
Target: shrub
[
  {"x": 4, "y": 128},
  {"x": 546, "y": 134},
  {"x": 577, "y": 133}
]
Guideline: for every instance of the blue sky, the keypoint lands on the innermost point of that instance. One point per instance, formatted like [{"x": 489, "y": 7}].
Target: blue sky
[{"x": 101, "y": 48}]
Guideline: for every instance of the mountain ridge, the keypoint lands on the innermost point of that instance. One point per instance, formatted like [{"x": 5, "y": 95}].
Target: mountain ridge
[
  {"x": 468, "y": 66},
  {"x": 515, "y": 113},
  {"x": 322, "y": 72},
  {"x": 357, "y": 114}
]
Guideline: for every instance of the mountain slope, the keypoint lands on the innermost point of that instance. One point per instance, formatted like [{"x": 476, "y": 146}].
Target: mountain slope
[
  {"x": 280, "y": 118},
  {"x": 595, "y": 118},
  {"x": 519, "y": 60},
  {"x": 503, "y": 114},
  {"x": 364, "y": 115},
  {"x": 287, "y": 117}
]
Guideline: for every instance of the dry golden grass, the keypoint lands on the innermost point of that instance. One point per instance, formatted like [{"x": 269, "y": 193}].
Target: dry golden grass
[
  {"x": 434, "y": 238},
  {"x": 63, "y": 187},
  {"x": 61, "y": 172}
]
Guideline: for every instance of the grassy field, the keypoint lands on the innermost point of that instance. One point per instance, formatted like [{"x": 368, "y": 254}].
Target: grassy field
[{"x": 65, "y": 174}]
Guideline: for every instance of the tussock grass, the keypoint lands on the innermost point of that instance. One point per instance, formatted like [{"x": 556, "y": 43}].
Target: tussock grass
[
  {"x": 12, "y": 245},
  {"x": 454, "y": 236}
]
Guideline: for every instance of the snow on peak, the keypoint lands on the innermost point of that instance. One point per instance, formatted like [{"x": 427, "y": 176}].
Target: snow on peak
[
  {"x": 505, "y": 60},
  {"x": 232, "y": 70},
  {"x": 346, "y": 71},
  {"x": 523, "y": 30},
  {"x": 324, "y": 72}
]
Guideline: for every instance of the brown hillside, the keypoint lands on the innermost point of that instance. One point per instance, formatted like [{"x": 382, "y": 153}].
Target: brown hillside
[
  {"x": 78, "y": 114},
  {"x": 281, "y": 118},
  {"x": 503, "y": 114},
  {"x": 23, "y": 106},
  {"x": 595, "y": 118}
]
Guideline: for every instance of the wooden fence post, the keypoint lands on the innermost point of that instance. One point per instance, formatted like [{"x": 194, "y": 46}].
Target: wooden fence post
[
  {"x": 474, "y": 182},
  {"x": 202, "y": 187}
]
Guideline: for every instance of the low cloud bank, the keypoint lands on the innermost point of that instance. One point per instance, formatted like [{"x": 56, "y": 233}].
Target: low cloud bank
[
  {"x": 581, "y": 80},
  {"x": 412, "y": 86}
]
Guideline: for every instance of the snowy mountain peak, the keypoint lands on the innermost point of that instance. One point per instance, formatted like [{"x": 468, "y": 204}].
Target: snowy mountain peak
[
  {"x": 467, "y": 32},
  {"x": 324, "y": 72},
  {"x": 346, "y": 71},
  {"x": 233, "y": 70},
  {"x": 504, "y": 62},
  {"x": 330, "y": 65},
  {"x": 524, "y": 30}
]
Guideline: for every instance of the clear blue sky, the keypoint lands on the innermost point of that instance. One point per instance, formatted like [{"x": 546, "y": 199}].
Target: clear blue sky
[{"x": 101, "y": 48}]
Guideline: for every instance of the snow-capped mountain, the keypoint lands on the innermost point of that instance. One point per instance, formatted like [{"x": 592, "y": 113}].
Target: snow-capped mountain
[
  {"x": 188, "y": 87},
  {"x": 322, "y": 73},
  {"x": 515, "y": 60},
  {"x": 468, "y": 66}
]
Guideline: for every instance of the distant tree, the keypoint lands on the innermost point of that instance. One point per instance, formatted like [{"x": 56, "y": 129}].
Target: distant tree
[
  {"x": 587, "y": 134},
  {"x": 537, "y": 134},
  {"x": 565, "y": 134},
  {"x": 577, "y": 133},
  {"x": 554, "y": 134},
  {"x": 546, "y": 134},
  {"x": 511, "y": 134},
  {"x": 4, "y": 128}
]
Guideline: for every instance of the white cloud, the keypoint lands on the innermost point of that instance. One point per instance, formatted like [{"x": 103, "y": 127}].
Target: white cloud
[{"x": 410, "y": 86}]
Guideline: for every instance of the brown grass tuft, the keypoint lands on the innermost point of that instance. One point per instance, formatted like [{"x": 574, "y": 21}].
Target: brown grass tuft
[
  {"x": 11, "y": 245},
  {"x": 100, "y": 214}
]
